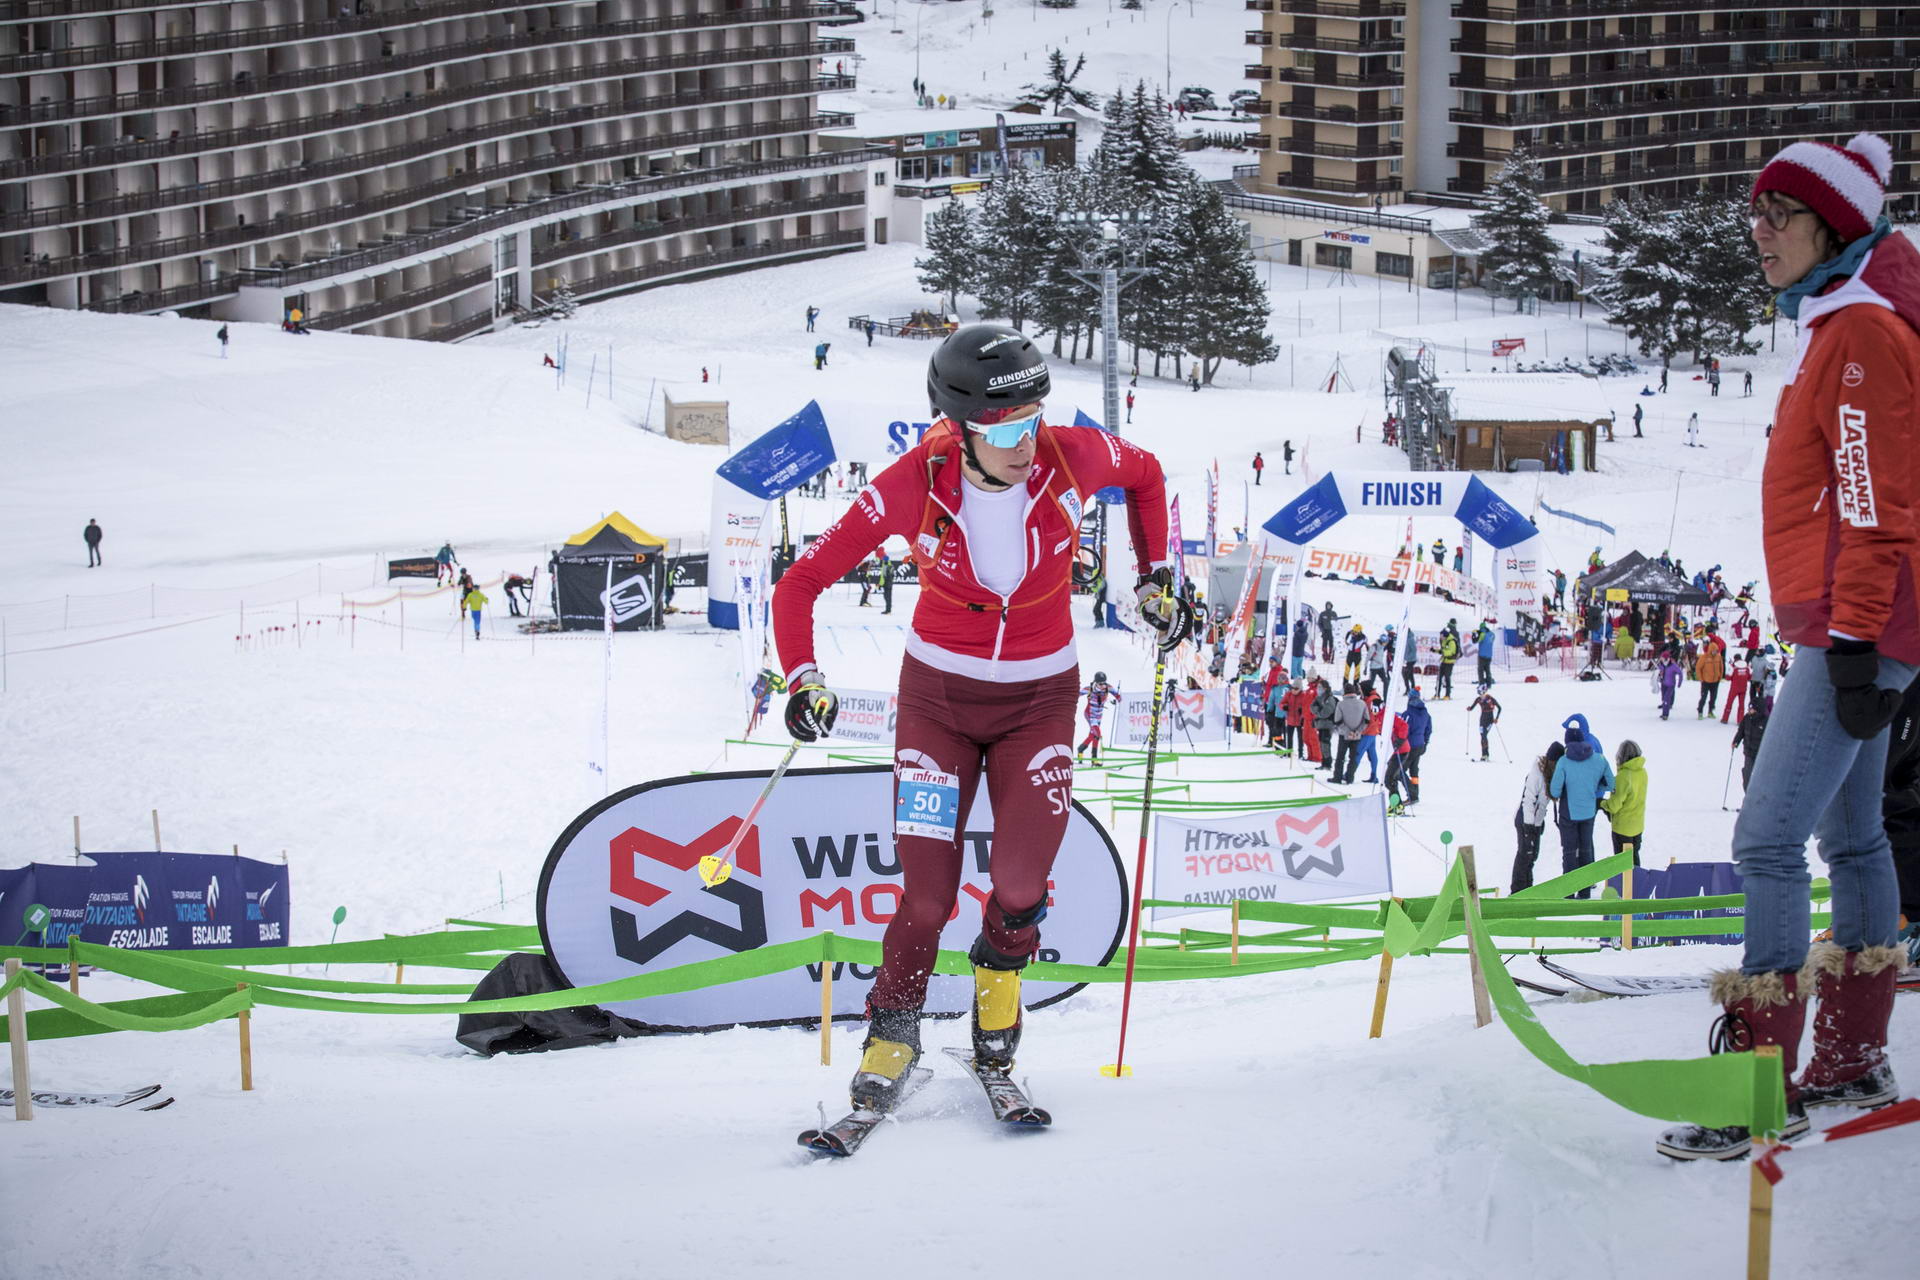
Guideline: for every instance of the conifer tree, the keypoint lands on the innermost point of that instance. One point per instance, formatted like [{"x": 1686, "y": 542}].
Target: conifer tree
[
  {"x": 1723, "y": 282},
  {"x": 1058, "y": 90},
  {"x": 1522, "y": 257},
  {"x": 950, "y": 263},
  {"x": 1013, "y": 242},
  {"x": 1222, "y": 294},
  {"x": 1641, "y": 275}
]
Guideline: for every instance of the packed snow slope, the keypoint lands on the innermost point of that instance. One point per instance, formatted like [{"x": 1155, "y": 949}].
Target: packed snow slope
[{"x": 411, "y": 774}]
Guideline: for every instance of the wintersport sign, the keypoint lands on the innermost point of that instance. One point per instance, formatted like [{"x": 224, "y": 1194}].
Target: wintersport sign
[
  {"x": 1334, "y": 850},
  {"x": 619, "y": 895}
]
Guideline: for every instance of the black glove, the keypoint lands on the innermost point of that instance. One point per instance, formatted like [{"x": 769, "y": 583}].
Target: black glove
[
  {"x": 813, "y": 707},
  {"x": 1863, "y": 708},
  {"x": 1164, "y": 611}
]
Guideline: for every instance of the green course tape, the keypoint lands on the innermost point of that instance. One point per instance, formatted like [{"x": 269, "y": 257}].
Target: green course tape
[
  {"x": 1715, "y": 1091},
  {"x": 171, "y": 1013}
]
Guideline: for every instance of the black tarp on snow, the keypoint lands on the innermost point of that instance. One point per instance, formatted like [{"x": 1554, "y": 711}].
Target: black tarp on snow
[
  {"x": 1644, "y": 581},
  {"x": 614, "y": 558},
  {"x": 525, "y": 974}
]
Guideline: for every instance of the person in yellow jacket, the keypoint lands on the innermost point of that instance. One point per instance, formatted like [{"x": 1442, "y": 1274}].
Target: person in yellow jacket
[
  {"x": 1623, "y": 644},
  {"x": 473, "y": 602},
  {"x": 1626, "y": 804}
]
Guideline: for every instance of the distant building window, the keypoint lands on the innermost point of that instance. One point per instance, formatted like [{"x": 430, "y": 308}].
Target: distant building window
[
  {"x": 1392, "y": 264},
  {"x": 911, "y": 167},
  {"x": 880, "y": 178},
  {"x": 1332, "y": 255}
]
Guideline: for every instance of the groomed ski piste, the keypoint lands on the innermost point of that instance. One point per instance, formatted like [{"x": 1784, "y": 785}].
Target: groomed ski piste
[{"x": 413, "y": 774}]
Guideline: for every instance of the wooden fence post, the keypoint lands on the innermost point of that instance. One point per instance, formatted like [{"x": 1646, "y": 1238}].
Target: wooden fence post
[
  {"x": 1234, "y": 956},
  {"x": 1482, "y": 1010},
  {"x": 1626, "y": 917},
  {"x": 1380, "y": 990},
  {"x": 826, "y": 1008},
  {"x": 17, "y": 1039},
  {"x": 246, "y": 1045},
  {"x": 1760, "y": 1194}
]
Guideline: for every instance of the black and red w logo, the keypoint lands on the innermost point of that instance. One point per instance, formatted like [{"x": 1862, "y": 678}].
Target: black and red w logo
[{"x": 624, "y": 881}]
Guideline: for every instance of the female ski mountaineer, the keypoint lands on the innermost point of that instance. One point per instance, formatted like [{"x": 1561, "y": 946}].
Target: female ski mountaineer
[
  {"x": 990, "y": 503},
  {"x": 1838, "y": 527}
]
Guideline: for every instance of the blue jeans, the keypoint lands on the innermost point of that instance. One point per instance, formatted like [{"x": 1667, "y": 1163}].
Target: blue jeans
[
  {"x": 1367, "y": 753},
  {"x": 1814, "y": 779},
  {"x": 1299, "y": 667}
]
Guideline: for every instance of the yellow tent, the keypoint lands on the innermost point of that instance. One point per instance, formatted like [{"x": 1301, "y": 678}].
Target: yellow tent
[{"x": 620, "y": 525}]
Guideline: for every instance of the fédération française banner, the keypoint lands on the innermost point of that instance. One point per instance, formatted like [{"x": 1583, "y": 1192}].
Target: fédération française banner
[
  {"x": 620, "y": 894},
  {"x": 1334, "y": 850},
  {"x": 150, "y": 901}
]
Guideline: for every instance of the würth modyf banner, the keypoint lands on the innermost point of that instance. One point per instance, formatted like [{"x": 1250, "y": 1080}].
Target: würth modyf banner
[
  {"x": 1334, "y": 850},
  {"x": 620, "y": 894}
]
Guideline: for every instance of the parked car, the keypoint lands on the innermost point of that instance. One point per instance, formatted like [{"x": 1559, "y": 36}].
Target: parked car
[
  {"x": 1195, "y": 98},
  {"x": 1242, "y": 100}
]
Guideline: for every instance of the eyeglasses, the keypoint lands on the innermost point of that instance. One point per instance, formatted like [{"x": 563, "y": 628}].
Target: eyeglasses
[
  {"x": 1006, "y": 428},
  {"x": 1776, "y": 216}
]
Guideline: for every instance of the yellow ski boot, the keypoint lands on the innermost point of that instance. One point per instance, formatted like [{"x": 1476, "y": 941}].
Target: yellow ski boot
[
  {"x": 996, "y": 1011},
  {"x": 887, "y": 1059}
]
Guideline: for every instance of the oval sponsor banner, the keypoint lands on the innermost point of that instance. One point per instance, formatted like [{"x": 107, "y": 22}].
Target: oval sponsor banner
[{"x": 620, "y": 895}]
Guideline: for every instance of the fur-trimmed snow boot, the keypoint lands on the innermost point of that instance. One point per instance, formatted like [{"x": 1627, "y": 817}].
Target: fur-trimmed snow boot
[
  {"x": 1756, "y": 1009},
  {"x": 1855, "y": 992}
]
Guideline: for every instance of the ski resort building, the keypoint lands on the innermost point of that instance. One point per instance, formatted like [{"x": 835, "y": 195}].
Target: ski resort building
[
  {"x": 412, "y": 168},
  {"x": 1378, "y": 101}
]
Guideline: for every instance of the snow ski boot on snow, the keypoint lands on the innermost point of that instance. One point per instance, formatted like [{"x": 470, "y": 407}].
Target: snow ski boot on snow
[
  {"x": 1757, "y": 1009},
  {"x": 887, "y": 1058},
  {"x": 1855, "y": 990},
  {"x": 997, "y": 1016}
]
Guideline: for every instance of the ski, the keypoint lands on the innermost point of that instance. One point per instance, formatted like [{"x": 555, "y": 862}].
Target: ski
[
  {"x": 1008, "y": 1100},
  {"x": 60, "y": 1098},
  {"x": 844, "y": 1136},
  {"x": 1662, "y": 984}
]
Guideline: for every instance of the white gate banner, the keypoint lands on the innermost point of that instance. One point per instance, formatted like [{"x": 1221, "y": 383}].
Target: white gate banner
[
  {"x": 620, "y": 894},
  {"x": 1191, "y": 718},
  {"x": 1333, "y": 850},
  {"x": 866, "y": 715}
]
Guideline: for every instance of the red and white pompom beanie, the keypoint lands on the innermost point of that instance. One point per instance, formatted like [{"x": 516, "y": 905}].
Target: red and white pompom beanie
[{"x": 1846, "y": 186}]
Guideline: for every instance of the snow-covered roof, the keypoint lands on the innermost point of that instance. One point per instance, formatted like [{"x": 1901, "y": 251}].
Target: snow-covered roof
[
  {"x": 1525, "y": 397},
  {"x": 894, "y": 124}
]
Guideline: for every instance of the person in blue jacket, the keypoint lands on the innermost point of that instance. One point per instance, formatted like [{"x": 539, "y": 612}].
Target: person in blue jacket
[
  {"x": 1484, "y": 636},
  {"x": 1302, "y": 638},
  {"x": 1419, "y": 730},
  {"x": 1581, "y": 777},
  {"x": 1578, "y": 721}
]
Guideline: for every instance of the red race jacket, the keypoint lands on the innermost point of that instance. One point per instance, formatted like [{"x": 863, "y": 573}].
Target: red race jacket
[
  {"x": 959, "y": 625},
  {"x": 1842, "y": 479}
]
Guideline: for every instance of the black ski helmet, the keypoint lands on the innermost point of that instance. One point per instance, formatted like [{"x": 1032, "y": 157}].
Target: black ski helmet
[
  {"x": 985, "y": 366},
  {"x": 1099, "y": 677}
]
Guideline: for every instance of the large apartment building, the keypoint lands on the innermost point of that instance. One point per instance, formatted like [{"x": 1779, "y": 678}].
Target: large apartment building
[
  {"x": 1380, "y": 100},
  {"x": 411, "y": 168}
]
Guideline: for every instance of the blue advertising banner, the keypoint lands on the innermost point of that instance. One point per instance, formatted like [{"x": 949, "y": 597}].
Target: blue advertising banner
[
  {"x": 796, "y": 450},
  {"x": 151, "y": 901}
]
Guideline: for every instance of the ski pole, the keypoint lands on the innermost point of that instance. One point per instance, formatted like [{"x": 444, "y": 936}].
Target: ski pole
[
  {"x": 1503, "y": 742},
  {"x": 1119, "y": 1067},
  {"x": 715, "y": 870},
  {"x": 1729, "y": 781}
]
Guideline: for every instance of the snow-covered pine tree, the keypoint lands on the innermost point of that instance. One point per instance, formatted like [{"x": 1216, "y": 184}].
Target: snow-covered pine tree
[
  {"x": 1058, "y": 90},
  {"x": 1063, "y": 304},
  {"x": 1139, "y": 156},
  {"x": 951, "y": 262},
  {"x": 1521, "y": 256},
  {"x": 1223, "y": 296},
  {"x": 1723, "y": 281},
  {"x": 1012, "y": 238},
  {"x": 1643, "y": 275}
]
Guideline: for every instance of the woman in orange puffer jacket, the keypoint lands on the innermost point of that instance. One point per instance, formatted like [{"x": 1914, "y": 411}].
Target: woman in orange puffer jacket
[{"x": 1838, "y": 526}]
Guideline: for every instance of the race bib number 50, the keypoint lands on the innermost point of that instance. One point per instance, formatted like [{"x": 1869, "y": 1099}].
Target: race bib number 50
[{"x": 926, "y": 803}]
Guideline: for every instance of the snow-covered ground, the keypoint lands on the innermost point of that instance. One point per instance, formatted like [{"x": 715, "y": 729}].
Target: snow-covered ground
[{"x": 415, "y": 775}]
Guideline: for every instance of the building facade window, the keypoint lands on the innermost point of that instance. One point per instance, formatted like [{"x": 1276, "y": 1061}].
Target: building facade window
[
  {"x": 1393, "y": 264},
  {"x": 1332, "y": 255}
]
